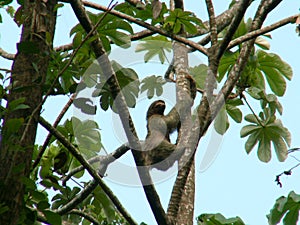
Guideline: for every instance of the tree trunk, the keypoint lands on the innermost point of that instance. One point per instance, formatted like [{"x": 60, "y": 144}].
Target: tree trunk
[{"x": 20, "y": 122}]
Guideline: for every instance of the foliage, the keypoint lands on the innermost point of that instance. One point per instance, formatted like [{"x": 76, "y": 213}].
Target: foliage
[
  {"x": 218, "y": 219},
  {"x": 264, "y": 80},
  {"x": 286, "y": 208}
]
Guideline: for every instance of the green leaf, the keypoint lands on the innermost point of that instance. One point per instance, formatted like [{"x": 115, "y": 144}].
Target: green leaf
[
  {"x": 199, "y": 73},
  {"x": 178, "y": 19},
  {"x": 52, "y": 218},
  {"x": 264, "y": 132},
  {"x": 226, "y": 63},
  {"x": 251, "y": 142},
  {"x": 234, "y": 112},
  {"x": 275, "y": 70},
  {"x": 153, "y": 85},
  {"x": 155, "y": 46},
  {"x": 286, "y": 208},
  {"x": 218, "y": 219},
  {"x": 221, "y": 122}
]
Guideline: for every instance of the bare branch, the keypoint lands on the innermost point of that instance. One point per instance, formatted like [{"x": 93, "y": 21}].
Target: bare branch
[
  {"x": 86, "y": 216},
  {"x": 7, "y": 55},
  {"x": 212, "y": 22},
  {"x": 243, "y": 5},
  {"x": 88, "y": 167},
  {"x": 56, "y": 122},
  {"x": 103, "y": 160},
  {"x": 262, "y": 31}
]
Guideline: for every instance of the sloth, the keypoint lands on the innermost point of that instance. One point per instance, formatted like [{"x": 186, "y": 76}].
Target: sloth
[{"x": 157, "y": 149}]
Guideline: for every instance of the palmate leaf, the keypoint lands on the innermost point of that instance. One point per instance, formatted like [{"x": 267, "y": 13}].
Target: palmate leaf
[
  {"x": 218, "y": 219},
  {"x": 287, "y": 208},
  {"x": 265, "y": 131},
  {"x": 199, "y": 73},
  {"x": 275, "y": 70},
  {"x": 178, "y": 19},
  {"x": 129, "y": 84},
  {"x": 221, "y": 122},
  {"x": 153, "y": 85},
  {"x": 155, "y": 46}
]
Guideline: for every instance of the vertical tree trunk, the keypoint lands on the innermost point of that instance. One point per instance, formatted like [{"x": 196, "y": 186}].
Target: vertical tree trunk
[{"x": 20, "y": 123}]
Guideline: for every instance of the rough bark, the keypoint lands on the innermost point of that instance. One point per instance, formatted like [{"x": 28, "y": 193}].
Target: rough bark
[{"x": 28, "y": 76}]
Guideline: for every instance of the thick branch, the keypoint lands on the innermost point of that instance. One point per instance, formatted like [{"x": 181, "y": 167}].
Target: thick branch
[
  {"x": 243, "y": 5},
  {"x": 88, "y": 167},
  {"x": 264, "y": 8},
  {"x": 123, "y": 112}
]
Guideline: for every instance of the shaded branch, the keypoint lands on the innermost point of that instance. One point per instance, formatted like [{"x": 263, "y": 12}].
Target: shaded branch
[
  {"x": 86, "y": 216},
  {"x": 75, "y": 201},
  {"x": 123, "y": 112},
  {"x": 72, "y": 149},
  {"x": 55, "y": 124}
]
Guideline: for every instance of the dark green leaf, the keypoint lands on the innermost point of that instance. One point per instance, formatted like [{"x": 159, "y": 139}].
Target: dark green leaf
[
  {"x": 286, "y": 208},
  {"x": 52, "y": 218}
]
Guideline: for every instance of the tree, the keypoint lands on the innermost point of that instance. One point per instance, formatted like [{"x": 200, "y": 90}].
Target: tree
[{"x": 238, "y": 61}]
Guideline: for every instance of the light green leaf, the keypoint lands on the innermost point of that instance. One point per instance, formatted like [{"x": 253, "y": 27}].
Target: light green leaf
[
  {"x": 221, "y": 122},
  {"x": 199, "y": 73}
]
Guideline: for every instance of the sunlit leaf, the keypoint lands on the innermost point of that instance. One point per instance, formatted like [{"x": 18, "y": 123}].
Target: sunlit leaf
[{"x": 286, "y": 208}]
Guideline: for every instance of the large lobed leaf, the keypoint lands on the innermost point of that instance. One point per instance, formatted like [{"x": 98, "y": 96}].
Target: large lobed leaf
[
  {"x": 264, "y": 131},
  {"x": 287, "y": 208}
]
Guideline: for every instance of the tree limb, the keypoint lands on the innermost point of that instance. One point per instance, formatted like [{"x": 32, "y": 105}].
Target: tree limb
[
  {"x": 103, "y": 160},
  {"x": 239, "y": 14},
  {"x": 123, "y": 112},
  {"x": 55, "y": 124},
  {"x": 145, "y": 25},
  {"x": 86, "y": 216},
  {"x": 212, "y": 22},
  {"x": 7, "y": 55},
  {"x": 256, "y": 33},
  {"x": 90, "y": 187},
  {"x": 88, "y": 167},
  {"x": 264, "y": 8}
]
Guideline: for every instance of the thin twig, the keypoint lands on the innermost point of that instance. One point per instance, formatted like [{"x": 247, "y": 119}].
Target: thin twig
[
  {"x": 86, "y": 216},
  {"x": 249, "y": 106},
  {"x": 55, "y": 124}
]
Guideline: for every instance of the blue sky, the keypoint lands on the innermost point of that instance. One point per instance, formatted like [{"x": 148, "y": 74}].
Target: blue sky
[{"x": 235, "y": 184}]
